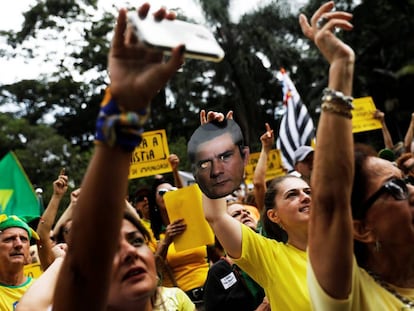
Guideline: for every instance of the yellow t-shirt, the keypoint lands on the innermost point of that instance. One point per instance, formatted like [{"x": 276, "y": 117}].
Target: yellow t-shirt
[
  {"x": 189, "y": 267},
  {"x": 277, "y": 267},
  {"x": 366, "y": 294},
  {"x": 10, "y": 295},
  {"x": 173, "y": 298}
]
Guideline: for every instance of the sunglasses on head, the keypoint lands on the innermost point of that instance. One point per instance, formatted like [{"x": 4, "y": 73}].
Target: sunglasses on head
[
  {"x": 395, "y": 187},
  {"x": 163, "y": 191}
]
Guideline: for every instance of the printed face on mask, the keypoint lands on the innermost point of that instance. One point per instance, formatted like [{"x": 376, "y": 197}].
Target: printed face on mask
[{"x": 219, "y": 166}]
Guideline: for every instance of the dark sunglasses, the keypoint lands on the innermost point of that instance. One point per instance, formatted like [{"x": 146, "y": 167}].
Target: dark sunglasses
[
  {"x": 163, "y": 191},
  {"x": 396, "y": 187}
]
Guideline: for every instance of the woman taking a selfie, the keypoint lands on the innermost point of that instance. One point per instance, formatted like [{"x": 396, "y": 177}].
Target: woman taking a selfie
[{"x": 109, "y": 266}]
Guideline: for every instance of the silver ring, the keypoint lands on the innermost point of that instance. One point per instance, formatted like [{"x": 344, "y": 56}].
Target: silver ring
[{"x": 321, "y": 22}]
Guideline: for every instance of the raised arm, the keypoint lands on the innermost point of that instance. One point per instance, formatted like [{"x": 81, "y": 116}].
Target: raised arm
[
  {"x": 60, "y": 186},
  {"x": 378, "y": 114},
  {"x": 39, "y": 296},
  {"x": 226, "y": 228},
  {"x": 330, "y": 228},
  {"x": 136, "y": 75},
  {"x": 259, "y": 176},
  {"x": 408, "y": 139}
]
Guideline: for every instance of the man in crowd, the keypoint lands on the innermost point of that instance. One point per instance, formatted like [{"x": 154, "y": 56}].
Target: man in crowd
[
  {"x": 15, "y": 237},
  {"x": 304, "y": 162}
]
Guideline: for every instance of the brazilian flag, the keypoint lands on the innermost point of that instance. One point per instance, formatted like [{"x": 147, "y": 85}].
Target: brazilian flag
[{"x": 17, "y": 196}]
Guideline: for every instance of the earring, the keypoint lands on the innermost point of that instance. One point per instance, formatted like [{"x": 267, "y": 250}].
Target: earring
[
  {"x": 377, "y": 246},
  {"x": 281, "y": 226}
]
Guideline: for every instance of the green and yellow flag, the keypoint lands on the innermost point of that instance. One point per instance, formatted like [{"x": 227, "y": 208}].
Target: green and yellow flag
[{"x": 17, "y": 196}]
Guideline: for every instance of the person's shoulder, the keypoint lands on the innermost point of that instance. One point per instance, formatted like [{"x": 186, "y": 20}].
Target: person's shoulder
[
  {"x": 171, "y": 291},
  {"x": 174, "y": 297}
]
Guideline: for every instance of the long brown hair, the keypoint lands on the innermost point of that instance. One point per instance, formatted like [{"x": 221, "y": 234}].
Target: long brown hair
[{"x": 273, "y": 230}]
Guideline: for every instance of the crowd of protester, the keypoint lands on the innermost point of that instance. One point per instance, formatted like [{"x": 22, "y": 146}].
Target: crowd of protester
[{"x": 334, "y": 234}]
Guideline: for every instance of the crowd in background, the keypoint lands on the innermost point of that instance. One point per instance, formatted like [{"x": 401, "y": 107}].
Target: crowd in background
[{"x": 312, "y": 239}]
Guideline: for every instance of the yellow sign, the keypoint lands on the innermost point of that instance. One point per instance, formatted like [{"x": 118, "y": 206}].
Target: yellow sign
[
  {"x": 151, "y": 156},
  {"x": 274, "y": 166},
  {"x": 33, "y": 270},
  {"x": 363, "y": 115},
  {"x": 186, "y": 203}
]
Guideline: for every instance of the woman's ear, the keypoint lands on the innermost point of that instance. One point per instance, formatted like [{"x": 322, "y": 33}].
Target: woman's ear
[
  {"x": 273, "y": 216},
  {"x": 363, "y": 233}
]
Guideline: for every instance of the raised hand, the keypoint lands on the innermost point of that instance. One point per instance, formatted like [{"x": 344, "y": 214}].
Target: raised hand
[
  {"x": 136, "y": 71},
  {"x": 174, "y": 161},
  {"x": 214, "y": 116},
  {"x": 268, "y": 138},
  {"x": 323, "y": 33},
  {"x": 378, "y": 114},
  {"x": 74, "y": 195},
  {"x": 175, "y": 228},
  {"x": 60, "y": 185}
]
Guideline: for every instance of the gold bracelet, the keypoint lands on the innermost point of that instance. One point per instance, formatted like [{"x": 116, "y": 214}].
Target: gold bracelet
[{"x": 337, "y": 109}]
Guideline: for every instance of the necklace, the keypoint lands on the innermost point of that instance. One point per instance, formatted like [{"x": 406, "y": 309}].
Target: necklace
[{"x": 409, "y": 304}]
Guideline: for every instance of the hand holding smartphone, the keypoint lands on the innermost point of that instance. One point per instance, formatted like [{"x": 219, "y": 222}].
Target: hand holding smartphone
[{"x": 167, "y": 34}]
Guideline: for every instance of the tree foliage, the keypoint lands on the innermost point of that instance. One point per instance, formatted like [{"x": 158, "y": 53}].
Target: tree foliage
[
  {"x": 256, "y": 46},
  {"x": 41, "y": 151},
  {"x": 383, "y": 40},
  {"x": 386, "y": 29}
]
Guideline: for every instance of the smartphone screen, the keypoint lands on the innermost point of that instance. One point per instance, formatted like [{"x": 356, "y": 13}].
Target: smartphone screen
[{"x": 165, "y": 35}]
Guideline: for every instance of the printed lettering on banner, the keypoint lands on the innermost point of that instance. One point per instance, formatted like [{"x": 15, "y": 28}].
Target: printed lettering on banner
[{"x": 151, "y": 156}]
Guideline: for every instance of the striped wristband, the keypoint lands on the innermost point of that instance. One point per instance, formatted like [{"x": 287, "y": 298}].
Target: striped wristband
[{"x": 117, "y": 128}]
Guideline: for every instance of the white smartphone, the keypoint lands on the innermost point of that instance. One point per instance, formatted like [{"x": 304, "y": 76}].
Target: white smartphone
[{"x": 167, "y": 34}]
